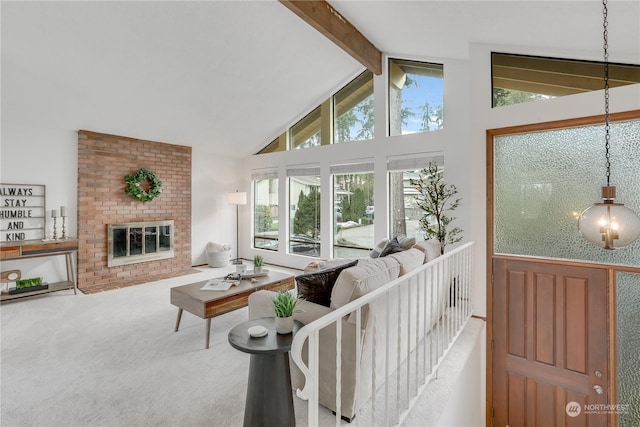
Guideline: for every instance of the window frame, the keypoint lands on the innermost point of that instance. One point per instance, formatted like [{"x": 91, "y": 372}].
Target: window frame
[
  {"x": 311, "y": 172},
  {"x": 269, "y": 175},
  {"x": 404, "y": 164},
  {"x": 394, "y": 79},
  {"x": 558, "y": 76},
  {"x": 346, "y": 169}
]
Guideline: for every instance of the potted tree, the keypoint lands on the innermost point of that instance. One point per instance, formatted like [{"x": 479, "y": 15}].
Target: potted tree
[
  {"x": 437, "y": 199},
  {"x": 258, "y": 262},
  {"x": 284, "y": 305}
]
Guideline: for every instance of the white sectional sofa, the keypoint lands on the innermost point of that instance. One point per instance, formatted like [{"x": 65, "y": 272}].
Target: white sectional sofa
[{"x": 351, "y": 283}]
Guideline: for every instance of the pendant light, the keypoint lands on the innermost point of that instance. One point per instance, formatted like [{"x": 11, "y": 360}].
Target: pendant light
[{"x": 608, "y": 225}]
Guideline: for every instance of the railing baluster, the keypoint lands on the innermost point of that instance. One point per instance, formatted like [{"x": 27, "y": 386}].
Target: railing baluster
[
  {"x": 468, "y": 284},
  {"x": 374, "y": 319},
  {"x": 463, "y": 286},
  {"x": 431, "y": 314},
  {"x": 338, "y": 371},
  {"x": 314, "y": 368},
  {"x": 409, "y": 286},
  {"x": 358, "y": 339},
  {"x": 428, "y": 302},
  {"x": 469, "y": 297},
  {"x": 439, "y": 327},
  {"x": 448, "y": 283},
  {"x": 398, "y": 348},
  {"x": 386, "y": 367},
  {"x": 456, "y": 292},
  {"x": 420, "y": 279}
]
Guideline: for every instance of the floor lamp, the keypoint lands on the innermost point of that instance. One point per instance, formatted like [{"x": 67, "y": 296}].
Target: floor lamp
[{"x": 238, "y": 198}]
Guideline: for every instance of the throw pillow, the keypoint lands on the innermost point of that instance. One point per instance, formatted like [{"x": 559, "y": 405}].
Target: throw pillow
[
  {"x": 317, "y": 287},
  {"x": 324, "y": 264},
  {"x": 431, "y": 249},
  {"x": 392, "y": 247},
  {"x": 375, "y": 253},
  {"x": 406, "y": 242}
]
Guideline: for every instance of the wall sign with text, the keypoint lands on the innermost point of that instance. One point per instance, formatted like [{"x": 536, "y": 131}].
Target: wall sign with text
[{"x": 22, "y": 212}]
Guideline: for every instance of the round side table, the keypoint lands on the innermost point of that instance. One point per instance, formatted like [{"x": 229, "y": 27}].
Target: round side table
[{"x": 269, "y": 397}]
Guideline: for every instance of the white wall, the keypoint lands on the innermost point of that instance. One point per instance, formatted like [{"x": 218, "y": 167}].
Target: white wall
[
  {"x": 213, "y": 219},
  {"x": 33, "y": 153},
  {"x": 36, "y": 154}
]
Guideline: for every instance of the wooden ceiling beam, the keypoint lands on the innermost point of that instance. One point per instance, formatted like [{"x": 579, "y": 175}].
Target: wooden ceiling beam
[{"x": 324, "y": 18}]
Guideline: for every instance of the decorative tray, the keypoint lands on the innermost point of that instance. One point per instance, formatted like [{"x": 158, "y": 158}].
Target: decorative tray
[
  {"x": 28, "y": 289},
  {"x": 250, "y": 274}
]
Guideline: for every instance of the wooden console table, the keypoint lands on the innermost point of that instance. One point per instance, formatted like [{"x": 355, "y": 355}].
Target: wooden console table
[{"x": 38, "y": 248}]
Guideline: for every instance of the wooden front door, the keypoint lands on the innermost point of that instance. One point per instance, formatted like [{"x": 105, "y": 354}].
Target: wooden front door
[{"x": 550, "y": 344}]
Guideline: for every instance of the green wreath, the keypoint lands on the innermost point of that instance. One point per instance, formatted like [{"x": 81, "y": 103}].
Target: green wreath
[{"x": 137, "y": 192}]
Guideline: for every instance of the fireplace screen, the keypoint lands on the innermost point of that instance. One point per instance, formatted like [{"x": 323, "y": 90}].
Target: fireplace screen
[{"x": 139, "y": 241}]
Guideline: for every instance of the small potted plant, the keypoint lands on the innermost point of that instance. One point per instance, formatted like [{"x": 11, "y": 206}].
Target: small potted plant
[
  {"x": 258, "y": 262},
  {"x": 284, "y": 305}
]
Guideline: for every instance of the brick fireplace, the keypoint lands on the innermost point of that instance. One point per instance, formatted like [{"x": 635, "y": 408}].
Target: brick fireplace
[{"x": 103, "y": 162}]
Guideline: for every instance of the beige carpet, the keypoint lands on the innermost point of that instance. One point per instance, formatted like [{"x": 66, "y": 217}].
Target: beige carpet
[{"x": 113, "y": 359}]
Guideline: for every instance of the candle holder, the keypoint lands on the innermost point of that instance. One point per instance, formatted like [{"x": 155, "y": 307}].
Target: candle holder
[
  {"x": 64, "y": 227},
  {"x": 55, "y": 228}
]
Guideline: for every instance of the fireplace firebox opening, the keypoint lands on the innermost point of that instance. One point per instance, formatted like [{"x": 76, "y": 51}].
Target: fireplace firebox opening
[{"x": 134, "y": 242}]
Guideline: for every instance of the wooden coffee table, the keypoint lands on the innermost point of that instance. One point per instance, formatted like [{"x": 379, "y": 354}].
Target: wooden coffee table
[{"x": 208, "y": 304}]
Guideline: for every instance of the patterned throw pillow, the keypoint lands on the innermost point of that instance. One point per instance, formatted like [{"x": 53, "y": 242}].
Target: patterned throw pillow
[
  {"x": 317, "y": 287},
  {"x": 375, "y": 253},
  {"x": 391, "y": 248},
  {"x": 404, "y": 241}
]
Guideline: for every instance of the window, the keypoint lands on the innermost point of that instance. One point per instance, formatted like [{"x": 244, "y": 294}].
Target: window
[
  {"x": 353, "y": 110},
  {"x": 404, "y": 215},
  {"x": 278, "y": 144},
  {"x": 520, "y": 78},
  {"x": 542, "y": 183},
  {"x": 346, "y": 116},
  {"x": 265, "y": 210},
  {"x": 304, "y": 211},
  {"x": 306, "y": 133},
  {"x": 353, "y": 210},
  {"x": 416, "y": 97}
]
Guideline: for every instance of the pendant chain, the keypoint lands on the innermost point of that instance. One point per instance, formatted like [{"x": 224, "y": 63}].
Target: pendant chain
[{"x": 606, "y": 88}]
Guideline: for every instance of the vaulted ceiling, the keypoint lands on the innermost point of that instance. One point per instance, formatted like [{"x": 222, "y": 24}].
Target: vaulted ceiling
[{"x": 230, "y": 76}]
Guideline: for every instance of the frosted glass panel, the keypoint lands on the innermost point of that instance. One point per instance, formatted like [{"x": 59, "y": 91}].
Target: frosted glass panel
[
  {"x": 628, "y": 344},
  {"x": 544, "y": 180}
]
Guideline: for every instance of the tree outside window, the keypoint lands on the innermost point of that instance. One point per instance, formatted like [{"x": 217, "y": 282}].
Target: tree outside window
[
  {"x": 353, "y": 215},
  {"x": 265, "y": 214},
  {"x": 353, "y": 109},
  {"x": 416, "y": 97},
  {"x": 304, "y": 217}
]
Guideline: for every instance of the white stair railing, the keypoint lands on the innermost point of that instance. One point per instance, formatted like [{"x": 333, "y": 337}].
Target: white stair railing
[{"x": 412, "y": 322}]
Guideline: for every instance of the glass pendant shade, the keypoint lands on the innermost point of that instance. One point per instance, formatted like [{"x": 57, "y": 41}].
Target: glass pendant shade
[{"x": 609, "y": 225}]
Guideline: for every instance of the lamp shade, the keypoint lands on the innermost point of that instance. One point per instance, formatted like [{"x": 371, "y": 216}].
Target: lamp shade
[
  {"x": 237, "y": 198},
  {"x": 609, "y": 225}
]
